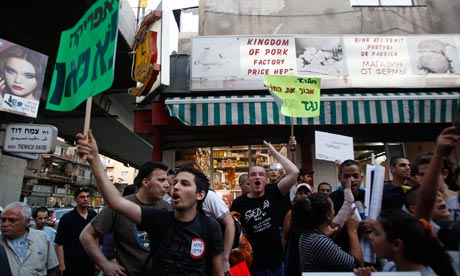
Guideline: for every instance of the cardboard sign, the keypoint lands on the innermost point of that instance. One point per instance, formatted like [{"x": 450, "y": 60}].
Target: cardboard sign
[
  {"x": 332, "y": 147},
  {"x": 30, "y": 138}
]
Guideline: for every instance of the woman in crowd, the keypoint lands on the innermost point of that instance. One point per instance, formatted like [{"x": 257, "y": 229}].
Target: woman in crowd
[
  {"x": 318, "y": 252},
  {"x": 409, "y": 243}
]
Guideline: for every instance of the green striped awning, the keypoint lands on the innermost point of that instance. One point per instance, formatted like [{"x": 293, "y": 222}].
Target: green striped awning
[{"x": 336, "y": 109}]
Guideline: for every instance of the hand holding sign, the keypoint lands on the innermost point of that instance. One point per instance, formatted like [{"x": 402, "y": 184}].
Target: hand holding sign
[{"x": 300, "y": 95}]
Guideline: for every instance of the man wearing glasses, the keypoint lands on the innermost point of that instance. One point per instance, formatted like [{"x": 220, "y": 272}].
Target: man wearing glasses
[{"x": 73, "y": 259}]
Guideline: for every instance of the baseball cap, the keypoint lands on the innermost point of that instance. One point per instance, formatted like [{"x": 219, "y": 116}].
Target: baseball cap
[
  {"x": 303, "y": 171},
  {"x": 303, "y": 185},
  {"x": 294, "y": 190}
]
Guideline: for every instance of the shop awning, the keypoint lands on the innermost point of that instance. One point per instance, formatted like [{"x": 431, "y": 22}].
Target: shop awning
[{"x": 336, "y": 109}]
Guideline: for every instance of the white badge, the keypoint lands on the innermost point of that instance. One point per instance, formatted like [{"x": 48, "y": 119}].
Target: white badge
[{"x": 198, "y": 248}]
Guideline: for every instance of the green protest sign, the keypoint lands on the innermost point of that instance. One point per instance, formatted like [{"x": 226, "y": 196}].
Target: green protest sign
[
  {"x": 85, "y": 60},
  {"x": 300, "y": 96}
]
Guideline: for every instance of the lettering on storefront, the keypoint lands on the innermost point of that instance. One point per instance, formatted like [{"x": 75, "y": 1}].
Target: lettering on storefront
[{"x": 268, "y": 56}]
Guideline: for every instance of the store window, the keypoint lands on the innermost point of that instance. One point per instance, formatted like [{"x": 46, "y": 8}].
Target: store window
[{"x": 228, "y": 163}]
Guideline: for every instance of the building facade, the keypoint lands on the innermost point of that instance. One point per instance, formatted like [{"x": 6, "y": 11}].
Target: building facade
[{"x": 200, "y": 110}]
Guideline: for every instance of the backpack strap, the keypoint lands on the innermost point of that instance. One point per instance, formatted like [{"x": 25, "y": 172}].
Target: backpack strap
[{"x": 155, "y": 242}]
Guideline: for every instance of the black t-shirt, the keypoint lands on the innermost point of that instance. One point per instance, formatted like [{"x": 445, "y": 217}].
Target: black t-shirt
[
  {"x": 77, "y": 262},
  {"x": 183, "y": 248},
  {"x": 392, "y": 197},
  {"x": 260, "y": 219}
]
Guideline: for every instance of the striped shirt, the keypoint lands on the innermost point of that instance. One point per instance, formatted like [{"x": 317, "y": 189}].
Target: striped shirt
[{"x": 319, "y": 253}]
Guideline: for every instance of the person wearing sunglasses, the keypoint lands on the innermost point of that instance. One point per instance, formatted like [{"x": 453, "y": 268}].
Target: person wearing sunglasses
[{"x": 73, "y": 259}]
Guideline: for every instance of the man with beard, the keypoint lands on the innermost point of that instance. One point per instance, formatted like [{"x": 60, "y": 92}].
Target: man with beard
[
  {"x": 260, "y": 215},
  {"x": 186, "y": 247},
  {"x": 132, "y": 245},
  {"x": 393, "y": 192}
]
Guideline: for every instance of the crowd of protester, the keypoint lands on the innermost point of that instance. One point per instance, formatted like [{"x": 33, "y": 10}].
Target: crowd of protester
[{"x": 172, "y": 224}]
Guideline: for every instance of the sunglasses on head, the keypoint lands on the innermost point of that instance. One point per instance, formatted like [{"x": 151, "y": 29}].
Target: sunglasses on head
[{"x": 83, "y": 189}]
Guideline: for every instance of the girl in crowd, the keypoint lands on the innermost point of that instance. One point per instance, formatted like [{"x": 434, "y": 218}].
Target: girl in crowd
[
  {"x": 318, "y": 252},
  {"x": 409, "y": 243},
  {"x": 21, "y": 73}
]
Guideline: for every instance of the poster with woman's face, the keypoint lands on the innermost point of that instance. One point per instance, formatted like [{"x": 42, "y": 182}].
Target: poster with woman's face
[{"x": 22, "y": 72}]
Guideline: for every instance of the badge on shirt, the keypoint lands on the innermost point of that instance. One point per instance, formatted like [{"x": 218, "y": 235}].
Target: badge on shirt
[{"x": 198, "y": 248}]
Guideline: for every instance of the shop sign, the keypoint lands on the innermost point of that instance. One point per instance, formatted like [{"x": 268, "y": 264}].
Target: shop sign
[
  {"x": 61, "y": 191},
  {"x": 341, "y": 61},
  {"x": 147, "y": 45},
  {"x": 30, "y": 138}
]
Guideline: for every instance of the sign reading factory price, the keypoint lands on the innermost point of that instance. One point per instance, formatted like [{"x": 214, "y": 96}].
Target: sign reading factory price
[
  {"x": 300, "y": 96},
  {"x": 29, "y": 138}
]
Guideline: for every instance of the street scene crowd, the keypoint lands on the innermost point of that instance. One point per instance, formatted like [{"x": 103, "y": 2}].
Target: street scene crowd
[{"x": 170, "y": 223}]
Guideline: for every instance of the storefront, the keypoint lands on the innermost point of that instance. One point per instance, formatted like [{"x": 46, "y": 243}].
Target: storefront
[{"x": 217, "y": 102}]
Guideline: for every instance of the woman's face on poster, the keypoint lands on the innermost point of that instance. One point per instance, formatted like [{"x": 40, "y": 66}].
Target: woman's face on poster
[{"x": 20, "y": 77}]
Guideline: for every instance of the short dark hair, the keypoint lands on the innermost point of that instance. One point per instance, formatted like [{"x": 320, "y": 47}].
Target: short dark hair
[
  {"x": 80, "y": 189},
  {"x": 394, "y": 160},
  {"x": 201, "y": 180},
  {"x": 39, "y": 210},
  {"x": 422, "y": 159},
  {"x": 129, "y": 190},
  {"x": 146, "y": 169},
  {"x": 348, "y": 163},
  {"x": 324, "y": 183}
]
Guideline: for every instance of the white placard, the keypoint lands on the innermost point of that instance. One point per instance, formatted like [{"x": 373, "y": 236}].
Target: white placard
[
  {"x": 332, "y": 147},
  {"x": 374, "y": 190}
]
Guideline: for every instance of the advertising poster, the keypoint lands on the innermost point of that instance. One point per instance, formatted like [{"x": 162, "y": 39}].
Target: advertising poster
[
  {"x": 22, "y": 72},
  {"x": 376, "y": 60},
  {"x": 341, "y": 61}
]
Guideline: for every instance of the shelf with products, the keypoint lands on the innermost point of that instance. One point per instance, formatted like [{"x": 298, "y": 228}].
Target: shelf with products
[{"x": 237, "y": 160}]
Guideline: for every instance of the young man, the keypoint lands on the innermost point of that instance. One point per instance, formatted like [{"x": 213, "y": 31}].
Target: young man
[
  {"x": 393, "y": 192},
  {"x": 184, "y": 249},
  {"x": 29, "y": 251},
  {"x": 349, "y": 171},
  {"x": 260, "y": 216},
  {"x": 73, "y": 260},
  {"x": 324, "y": 188},
  {"x": 132, "y": 245},
  {"x": 41, "y": 216}
]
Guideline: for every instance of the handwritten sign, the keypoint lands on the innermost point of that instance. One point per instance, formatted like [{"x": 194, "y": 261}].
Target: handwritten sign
[
  {"x": 331, "y": 147},
  {"x": 85, "y": 61},
  {"x": 300, "y": 95},
  {"x": 30, "y": 138}
]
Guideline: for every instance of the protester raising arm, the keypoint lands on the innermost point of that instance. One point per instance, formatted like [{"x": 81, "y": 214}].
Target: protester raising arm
[
  {"x": 426, "y": 199},
  {"x": 285, "y": 184},
  {"x": 87, "y": 148}
]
